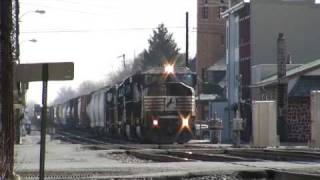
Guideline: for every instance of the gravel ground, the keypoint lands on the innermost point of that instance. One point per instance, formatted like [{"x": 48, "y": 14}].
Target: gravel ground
[
  {"x": 213, "y": 177},
  {"x": 122, "y": 157},
  {"x": 72, "y": 158}
]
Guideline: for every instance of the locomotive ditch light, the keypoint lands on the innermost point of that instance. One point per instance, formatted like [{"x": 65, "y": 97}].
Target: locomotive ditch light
[
  {"x": 169, "y": 68},
  {"x": 155, "y": 123},
  {"x": 185, "y": 121}
]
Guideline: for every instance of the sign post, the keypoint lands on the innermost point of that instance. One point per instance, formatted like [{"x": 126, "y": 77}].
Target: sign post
[
  {"x": 44, "y": 119},
  {"x": 44, "y": 72}
]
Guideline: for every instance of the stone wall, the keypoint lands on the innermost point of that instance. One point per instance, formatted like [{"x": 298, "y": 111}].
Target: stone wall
[{"x": 299, "y": 119}]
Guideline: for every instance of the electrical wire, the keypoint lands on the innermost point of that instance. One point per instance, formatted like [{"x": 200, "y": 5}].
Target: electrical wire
[{"x": 101, "y": 30}]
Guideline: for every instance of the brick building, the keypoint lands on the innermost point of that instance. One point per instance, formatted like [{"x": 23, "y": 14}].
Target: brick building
[
  {"x": 251, "y": 34},
  {"x": 210, "y": 45}
]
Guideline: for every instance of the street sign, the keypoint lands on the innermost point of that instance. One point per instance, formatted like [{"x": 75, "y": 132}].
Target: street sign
[
  {"x": 33, "y": 72},
  {"x": 44, "y": 72}
]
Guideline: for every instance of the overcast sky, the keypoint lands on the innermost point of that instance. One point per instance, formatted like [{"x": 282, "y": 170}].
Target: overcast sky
[{"x": 93, "y": 33}]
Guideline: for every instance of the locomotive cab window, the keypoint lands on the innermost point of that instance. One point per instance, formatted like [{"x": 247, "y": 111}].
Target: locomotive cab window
[
  {"x": 151, "y": 78},
  {"x": 188, "y": 79}
]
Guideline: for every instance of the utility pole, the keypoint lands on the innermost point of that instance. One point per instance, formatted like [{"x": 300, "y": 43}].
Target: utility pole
[
  {"x": 238, "y": 121},
  {"x": 124, "y": 61},
  {"x": 17, "y": 33},
  {"x": 123, "y": 56},
  {"x": 240, "y": 92},
  {"x": 187, "y": 39},
  {"x": 6, "y": 66},
  {"x": 43, "y": 120},
  {"x": 282, "y": 99},
  {"x": 17, "y": 59}
]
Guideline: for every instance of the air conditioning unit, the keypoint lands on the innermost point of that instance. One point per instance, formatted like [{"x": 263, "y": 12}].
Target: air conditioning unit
[
  {"x": 264, "y": 124},
  {"x": 315, "y": 119}
]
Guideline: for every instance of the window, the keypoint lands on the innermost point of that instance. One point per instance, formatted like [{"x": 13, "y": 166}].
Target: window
[
  {"x": 128, "y": 89},
  {"x": 188, "y": 79},
  {"x": 136, "y": 92},
  {"x": 222, "y": 40},
  {"x": 151, "y": 78},
  {"x": 203, "y": 74},
  {"x": 205, "y": 10}
]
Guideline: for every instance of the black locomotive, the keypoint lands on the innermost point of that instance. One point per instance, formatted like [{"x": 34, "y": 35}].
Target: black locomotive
[{"x": 154, "y": 106}]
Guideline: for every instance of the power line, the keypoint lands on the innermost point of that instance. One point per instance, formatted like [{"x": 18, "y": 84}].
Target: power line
[
  {"x": 74, "y": 4},
  {"x": 102, "y": 30}
]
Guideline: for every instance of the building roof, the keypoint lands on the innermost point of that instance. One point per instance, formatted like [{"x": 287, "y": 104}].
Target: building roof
[
  {"x": 262, "y": 71},
  {"x": 290, "y": 73},
  {"x": 220, "y": 65},
  {"x": 217, "y": 68},
  {"x": 233, "y": 9},
  {"x": 305, "y": 85}
]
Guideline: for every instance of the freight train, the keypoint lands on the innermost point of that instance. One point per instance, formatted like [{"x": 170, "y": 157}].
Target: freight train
[{"x": 152, "y": 106}]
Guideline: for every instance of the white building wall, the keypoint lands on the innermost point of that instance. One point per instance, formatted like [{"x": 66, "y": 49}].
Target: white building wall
[{"x": 315, "y": 119}]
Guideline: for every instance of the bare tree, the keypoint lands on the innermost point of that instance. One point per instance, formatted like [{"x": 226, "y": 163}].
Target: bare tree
[
  {"x": 137, "y": 63},
  {"x": 120, "y": 75},
  {"x": 29, "y": 108},
  {"x": 88, "y": 86},
  {"x": 64, "y": 94}
]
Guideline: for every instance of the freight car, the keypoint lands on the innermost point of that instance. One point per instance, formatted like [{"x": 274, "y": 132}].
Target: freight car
[{"x": 154, "y": 106}]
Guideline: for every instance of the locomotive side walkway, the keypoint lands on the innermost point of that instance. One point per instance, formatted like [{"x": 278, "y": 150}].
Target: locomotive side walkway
[{"x": 79, "y": 160}]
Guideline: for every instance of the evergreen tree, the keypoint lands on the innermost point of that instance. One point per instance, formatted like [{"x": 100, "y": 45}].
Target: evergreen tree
[{"x": 162, "y": 48}]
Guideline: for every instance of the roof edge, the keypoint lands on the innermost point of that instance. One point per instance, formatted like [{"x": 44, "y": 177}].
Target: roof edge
[
  {"x": 271, "y": 80},
  {"x": 233, "y": 9}
]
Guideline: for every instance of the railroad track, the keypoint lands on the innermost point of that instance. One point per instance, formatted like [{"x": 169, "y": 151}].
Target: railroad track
[
  {"x": 184, "y": 153},
  {"x": 179, "y": 153},
  {"x": 77, "y": 139},
  {"x": 276, "y": 154}
]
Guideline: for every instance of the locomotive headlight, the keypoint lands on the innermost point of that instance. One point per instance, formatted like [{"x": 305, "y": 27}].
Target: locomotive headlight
[
  {"x": 38, "y": 116},
  {"x": 185, "y": 121},
  {"x": 169, "y": 68}
]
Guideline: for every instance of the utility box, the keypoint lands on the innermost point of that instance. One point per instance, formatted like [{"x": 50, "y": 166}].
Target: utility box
[
  {"x": 264, "y": 124},
  {"x": 215, "y": 126},
  {"x": 315, "y": 119},
  {"x": 237, "y": 124}
]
